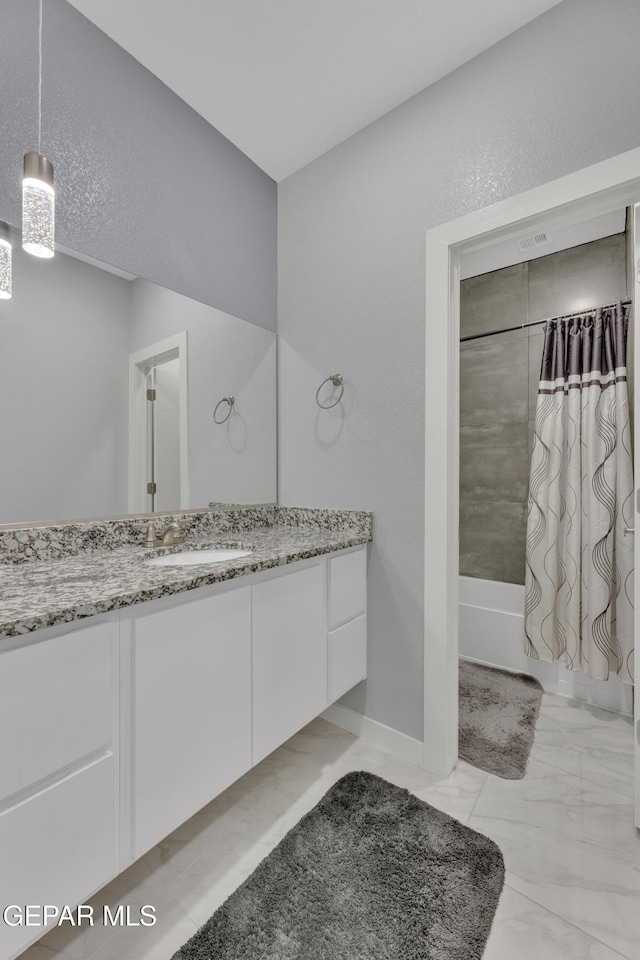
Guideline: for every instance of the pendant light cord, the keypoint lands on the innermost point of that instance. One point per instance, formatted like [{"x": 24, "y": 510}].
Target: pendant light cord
[{"x": 40, "y": 79}]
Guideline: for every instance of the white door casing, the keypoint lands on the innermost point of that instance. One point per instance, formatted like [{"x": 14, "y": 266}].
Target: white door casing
[
  {"x": 635, "y": 348},
  {"x": 171, "y": 348},
  {"x": 606, "y": 186}
]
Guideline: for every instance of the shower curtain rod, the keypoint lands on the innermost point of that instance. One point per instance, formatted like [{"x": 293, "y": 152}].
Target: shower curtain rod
[{"x": 534, "y": 323}]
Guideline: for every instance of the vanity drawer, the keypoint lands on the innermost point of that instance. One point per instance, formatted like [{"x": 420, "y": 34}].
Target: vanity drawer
[
  {"x": 347, "y": 657},
  {"x": 58, "y": 846},
  {"x": 347, "y": 586},
  {"x": 56, "y": 705}
]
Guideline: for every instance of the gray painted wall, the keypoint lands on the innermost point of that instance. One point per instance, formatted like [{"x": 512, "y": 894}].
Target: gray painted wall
[
  {"x": 143, "y": 182},
  {"x": 63, "y": 391},
  {"x": 351, "y": 260},
  {"x": 498, "y": 390}
]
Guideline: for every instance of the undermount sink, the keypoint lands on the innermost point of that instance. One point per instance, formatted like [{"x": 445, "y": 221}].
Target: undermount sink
[{"x": 192, "y": 557}]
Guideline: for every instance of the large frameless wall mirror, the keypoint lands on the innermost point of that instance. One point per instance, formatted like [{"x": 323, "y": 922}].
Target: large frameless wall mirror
[{"x": 107, "y": 393}]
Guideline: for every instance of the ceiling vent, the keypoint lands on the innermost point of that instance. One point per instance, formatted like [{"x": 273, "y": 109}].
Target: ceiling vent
[{"x": 535, "y": 240}]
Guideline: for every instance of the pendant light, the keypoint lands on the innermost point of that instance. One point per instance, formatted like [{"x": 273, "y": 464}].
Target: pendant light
[
  {"x": 5, "y": 261},
  {"x": 38, "y": 195}
]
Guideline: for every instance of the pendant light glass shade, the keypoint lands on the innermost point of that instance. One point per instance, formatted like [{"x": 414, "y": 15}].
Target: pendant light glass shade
[
  {"x": 5, "y": 262},
  {"x": 38, "y": 206}
]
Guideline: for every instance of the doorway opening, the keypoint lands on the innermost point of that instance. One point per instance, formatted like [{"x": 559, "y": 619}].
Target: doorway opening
[
  {"x": 506, "y": 296},
  {"x": 597, "y": 190},
  {"x": 158, "y": 442}
]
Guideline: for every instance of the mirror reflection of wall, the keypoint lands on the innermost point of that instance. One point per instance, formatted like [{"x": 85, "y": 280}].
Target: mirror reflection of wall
[{"x": 65, "y": 341}]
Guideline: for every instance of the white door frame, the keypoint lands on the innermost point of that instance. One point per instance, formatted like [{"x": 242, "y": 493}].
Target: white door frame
[
  {"x": 168, "y": 349},
  {"x": 603, "y": 187}
]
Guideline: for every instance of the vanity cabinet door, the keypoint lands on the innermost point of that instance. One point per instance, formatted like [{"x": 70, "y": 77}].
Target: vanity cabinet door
[
  {"x": 58, "y": 846},
  {"x": 289, "y": 656},
  {"x": 192, "y": 709},
  {"x": 58, "y": 772}
]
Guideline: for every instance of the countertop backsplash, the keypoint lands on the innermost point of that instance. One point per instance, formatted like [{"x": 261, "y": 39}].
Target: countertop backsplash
[
  {"x": 64, "y": 572},
  {"x": 44, "y": 542}
]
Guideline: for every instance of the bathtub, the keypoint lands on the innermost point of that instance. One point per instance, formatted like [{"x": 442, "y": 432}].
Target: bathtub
[{"x": 492, "y": 632}]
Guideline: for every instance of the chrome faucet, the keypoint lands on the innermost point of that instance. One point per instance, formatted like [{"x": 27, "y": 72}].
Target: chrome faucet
[
  {"x": 173, "y": 534},
  {"x": 151, "y": 537}
]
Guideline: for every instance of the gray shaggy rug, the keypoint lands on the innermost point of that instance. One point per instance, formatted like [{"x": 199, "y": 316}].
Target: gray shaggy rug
[
  {"x": 497, "y": 716},
  {"x": 371, "y": 873}
]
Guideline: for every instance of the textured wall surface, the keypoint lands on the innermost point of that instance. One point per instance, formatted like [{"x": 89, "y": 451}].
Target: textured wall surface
[
  {"x": 143, "y": 182},
  {"x": 351, "y": 263},
  {"x": 498, "y": 391}
]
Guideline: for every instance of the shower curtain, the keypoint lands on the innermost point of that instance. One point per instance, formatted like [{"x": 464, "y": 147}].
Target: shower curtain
[{"x": 579, "y": 562}]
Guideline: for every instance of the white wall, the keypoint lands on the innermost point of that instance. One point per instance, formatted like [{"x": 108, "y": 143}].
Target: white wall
[
  {"x": 558, "y": 95},
  {"x": 235, "y": 461},
  {"x": 63, "y": 391}
]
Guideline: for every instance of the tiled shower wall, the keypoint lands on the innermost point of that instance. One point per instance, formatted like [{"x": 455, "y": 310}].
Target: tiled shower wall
[{"x": 498, "y": 387}]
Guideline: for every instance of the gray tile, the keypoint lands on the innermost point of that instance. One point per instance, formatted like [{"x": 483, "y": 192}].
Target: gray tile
[
  {"x": 494, "y": 300},
  {"x": 494, "y": 381},
  {"x": 578, "y": 279},
  {"x": 519, "y": 334},
  {"x": 494, "y": 461},
  {"x": 535, "y": 362},
  {"x": 492, "y": 540}
]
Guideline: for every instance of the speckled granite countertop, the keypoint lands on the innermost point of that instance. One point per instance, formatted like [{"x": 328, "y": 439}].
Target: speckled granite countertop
[{"x": 41, "y": 593}]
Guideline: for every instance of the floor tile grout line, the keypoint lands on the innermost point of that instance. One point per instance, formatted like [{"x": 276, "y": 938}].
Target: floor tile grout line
[
  {"x": 580, "y": 776},
  {"x": 601, "y": 845},
  {"x": 570, "y": 923},
  {"x": 479, "y": 794}
]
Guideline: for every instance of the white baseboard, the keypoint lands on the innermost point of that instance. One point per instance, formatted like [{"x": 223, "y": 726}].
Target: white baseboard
[{"x": 389, "y": 739}]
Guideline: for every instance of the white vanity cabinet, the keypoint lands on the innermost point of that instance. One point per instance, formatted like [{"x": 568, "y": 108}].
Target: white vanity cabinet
[
  {"x": 191, "y": 709},
  {"x": 219, "y": 681},
  {"x": 289, "y": 656},
  {"x": 58, "y": 771},
  {"x": 116, "y": 732}
]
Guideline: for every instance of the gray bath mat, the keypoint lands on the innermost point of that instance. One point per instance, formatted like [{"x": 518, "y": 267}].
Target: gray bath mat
[
  {"x": 371, "y": 873},
  {"x": 497, "y": 716}
]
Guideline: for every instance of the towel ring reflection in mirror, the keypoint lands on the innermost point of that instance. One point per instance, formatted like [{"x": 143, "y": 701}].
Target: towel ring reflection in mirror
[
  {"x": 228, "y": 400},
  {"x": 337, "y": 381}
]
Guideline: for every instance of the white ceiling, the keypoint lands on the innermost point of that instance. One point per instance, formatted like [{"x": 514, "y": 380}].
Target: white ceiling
[{"x": 286, "y": 80}]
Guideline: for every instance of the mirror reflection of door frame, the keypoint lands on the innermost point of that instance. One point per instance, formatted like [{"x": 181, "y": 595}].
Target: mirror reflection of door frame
[{"x": 140, "y": 363}]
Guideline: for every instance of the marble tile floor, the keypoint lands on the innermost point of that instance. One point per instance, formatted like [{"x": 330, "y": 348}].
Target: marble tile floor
[{"x": 572, "y": 856}]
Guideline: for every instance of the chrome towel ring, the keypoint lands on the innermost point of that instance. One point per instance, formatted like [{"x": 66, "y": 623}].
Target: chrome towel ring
[
  {"x": 230, "y": 401},
  {"x": 337, "y": 381}
]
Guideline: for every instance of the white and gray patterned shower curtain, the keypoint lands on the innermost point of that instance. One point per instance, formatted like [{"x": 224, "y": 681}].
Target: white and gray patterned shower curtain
[{"x": 579, "y": 563}]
